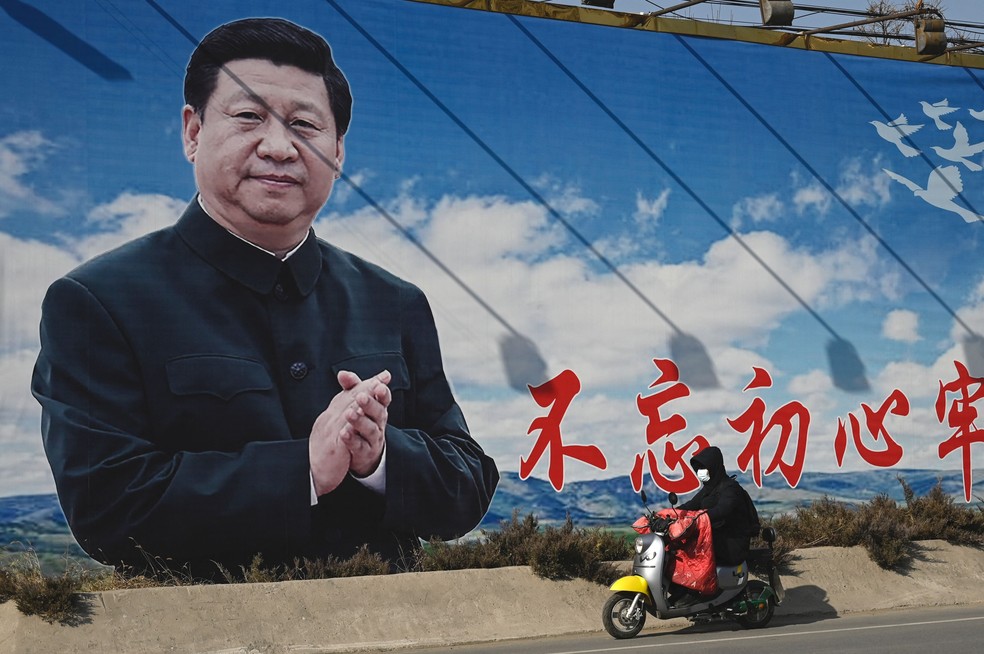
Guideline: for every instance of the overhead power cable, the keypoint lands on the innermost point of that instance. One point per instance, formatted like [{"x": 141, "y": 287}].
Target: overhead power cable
[
  {"x": 700, "y": 371},
  {"x": 846, "y": 367},
  {"x": 823, "y": 182}
]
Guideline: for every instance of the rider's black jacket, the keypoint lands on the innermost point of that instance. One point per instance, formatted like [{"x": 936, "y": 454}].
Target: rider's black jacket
[{"x": 733, "y": 518}]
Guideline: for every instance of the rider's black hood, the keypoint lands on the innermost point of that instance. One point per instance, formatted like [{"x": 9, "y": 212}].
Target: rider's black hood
[{"x": 711, "y": 459}]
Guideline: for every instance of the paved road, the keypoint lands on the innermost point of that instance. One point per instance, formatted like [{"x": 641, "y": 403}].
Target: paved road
[{"x": 915, "y": 631}]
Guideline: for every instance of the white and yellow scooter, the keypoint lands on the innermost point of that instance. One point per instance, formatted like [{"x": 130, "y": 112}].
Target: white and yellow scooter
[{"x": 750, "y": 603}]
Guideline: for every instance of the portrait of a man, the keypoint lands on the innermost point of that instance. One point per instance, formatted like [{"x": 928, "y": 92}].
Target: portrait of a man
[{"x": 234, "y": 385}]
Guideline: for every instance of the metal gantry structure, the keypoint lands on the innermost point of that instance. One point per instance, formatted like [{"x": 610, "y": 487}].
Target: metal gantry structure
[{"x": 921, "y": 24}]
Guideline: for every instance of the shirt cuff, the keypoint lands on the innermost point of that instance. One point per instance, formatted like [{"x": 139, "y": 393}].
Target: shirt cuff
[{"x": 376, "y": 480}]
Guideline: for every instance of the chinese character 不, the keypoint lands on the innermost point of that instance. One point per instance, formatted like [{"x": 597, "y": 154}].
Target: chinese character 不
[{"x": 559, "y": 392}]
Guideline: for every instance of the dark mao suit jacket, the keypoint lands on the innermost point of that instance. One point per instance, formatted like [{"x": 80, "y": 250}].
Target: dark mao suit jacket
[{"x": 179, "y": 378}]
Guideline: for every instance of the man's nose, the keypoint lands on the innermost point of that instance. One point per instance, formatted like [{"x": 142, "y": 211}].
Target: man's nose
[{"x": 277, "y": 141}]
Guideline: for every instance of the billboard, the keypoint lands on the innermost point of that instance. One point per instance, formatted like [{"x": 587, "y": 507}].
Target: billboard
[{"x": 633, "y": 243}]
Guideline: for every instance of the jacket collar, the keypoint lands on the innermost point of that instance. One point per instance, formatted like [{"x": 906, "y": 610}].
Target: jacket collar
[{"x": 248, "y": 265}]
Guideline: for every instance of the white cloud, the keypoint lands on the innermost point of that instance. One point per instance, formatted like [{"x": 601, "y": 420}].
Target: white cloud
[
  {"x": 27, "y": 267},
  {"x": 22, "y": 153},
  {"x": 127, "y": 217},
  {"x": 812, "y": 197},
  {"x": 343, "y": 191},
  {"x": 761, "y": 208},
  {"x": 971, "y": 314},
  {"x": 648, "y": 212},
  {"x": 550, "y": 289},
  {"x": 564, "y": 197},
  {"x": 479, "y": 232},
  {"x": 859, "y": 187},
  {"x": 901, "y": 325}
]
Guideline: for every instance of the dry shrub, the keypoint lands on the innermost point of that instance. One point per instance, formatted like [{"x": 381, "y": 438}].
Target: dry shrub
[
  {"x": 825, "y": 522},
  {"x": 439, "y": 555},
  {"x": 8, "y": 588},
  {"x": 510, "y": 545},
  {"x": 881, "y": 526},
  {"x": 563, "y": 552},
  {"x": 937, "y": 516},
  {"x": 568, "y": 552},
  {"x": 885, "y": 533},
  {"x": 514, "y": 541},
  {"x": 361, "y": 564},
  {"x": 54, "y": 599}
]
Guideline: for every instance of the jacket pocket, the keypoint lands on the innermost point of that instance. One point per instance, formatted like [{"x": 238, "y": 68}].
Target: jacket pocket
[
  {"x": 220, "y": 375},
  {"x": 367, "y": 365}
]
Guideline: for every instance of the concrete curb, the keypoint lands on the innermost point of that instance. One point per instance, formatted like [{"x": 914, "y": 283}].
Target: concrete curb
[{"x": 443, "y": 608}]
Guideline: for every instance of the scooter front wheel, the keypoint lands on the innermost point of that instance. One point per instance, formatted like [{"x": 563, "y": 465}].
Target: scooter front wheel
[{"x": 618, "y": 621}]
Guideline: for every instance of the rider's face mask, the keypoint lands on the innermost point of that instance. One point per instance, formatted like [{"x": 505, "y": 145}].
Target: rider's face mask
[{"x": 704, "y": 475}]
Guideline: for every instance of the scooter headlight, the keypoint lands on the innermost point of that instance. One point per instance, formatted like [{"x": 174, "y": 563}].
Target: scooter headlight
[{"x": 639, "y": 545}]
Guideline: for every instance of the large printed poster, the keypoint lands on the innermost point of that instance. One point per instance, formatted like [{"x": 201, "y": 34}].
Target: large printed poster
[{"x": 634, "y": 244}]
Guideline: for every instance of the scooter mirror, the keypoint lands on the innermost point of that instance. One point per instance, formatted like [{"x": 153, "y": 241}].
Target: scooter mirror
[
  {"x": 673, "y": 498},
  {"x": 642, "y": 494}
]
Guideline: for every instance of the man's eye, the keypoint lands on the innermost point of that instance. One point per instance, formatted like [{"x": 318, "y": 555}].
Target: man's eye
[
  {"x": 247, "y": 115},
  {"x": 303, "y": 125}
]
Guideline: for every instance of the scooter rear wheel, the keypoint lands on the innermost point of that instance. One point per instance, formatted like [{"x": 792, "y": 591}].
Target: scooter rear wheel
[
  {"x": 615, "y": 616},
  {"x": 757, "y": 617}
]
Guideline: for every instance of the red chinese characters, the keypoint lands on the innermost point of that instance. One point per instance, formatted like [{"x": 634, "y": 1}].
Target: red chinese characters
[
  {"x": 753, "y": 420},
  {"x": 864, "y": 431},
  {"x": 961, "y": 415},
  {"x": 558, "y": 392},
  {"x": 662, "y": 428},
  {"x": 896, "y": 403}
]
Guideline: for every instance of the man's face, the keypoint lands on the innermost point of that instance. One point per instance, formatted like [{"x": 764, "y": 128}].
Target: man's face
[{"x": 265, "y": 155}]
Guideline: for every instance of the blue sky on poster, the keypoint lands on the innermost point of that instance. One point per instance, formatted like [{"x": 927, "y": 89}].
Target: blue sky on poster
[{"x": 86, "y": 164}]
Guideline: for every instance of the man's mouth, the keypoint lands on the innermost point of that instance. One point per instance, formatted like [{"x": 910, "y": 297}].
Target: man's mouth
[{"x": 276, "y": 179}]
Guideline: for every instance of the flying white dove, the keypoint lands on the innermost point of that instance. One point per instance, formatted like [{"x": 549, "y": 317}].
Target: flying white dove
[
  {"x": 895, "y": 131},
  {"x": 943, "y": 185},
  {"x": 938, "y": 109},
  {"x": 979, "y": 115},
  {"x": 962, "y": 149}
]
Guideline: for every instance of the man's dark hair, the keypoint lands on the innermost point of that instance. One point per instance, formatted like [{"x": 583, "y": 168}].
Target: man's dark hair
[{"x": 274, "y": 39}]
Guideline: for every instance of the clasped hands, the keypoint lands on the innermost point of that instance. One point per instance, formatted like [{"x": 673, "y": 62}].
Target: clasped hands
[{"x": 350, "y": 434}]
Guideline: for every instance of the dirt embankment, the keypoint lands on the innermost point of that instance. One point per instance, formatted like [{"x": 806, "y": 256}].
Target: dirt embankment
[{"x": 438, "y": 608}]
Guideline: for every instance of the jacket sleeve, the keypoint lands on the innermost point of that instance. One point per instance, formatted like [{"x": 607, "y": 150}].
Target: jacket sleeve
[
  {"x": 728, "y": 508},
  {"x": 119, "y": 489},
  {"x": 696, "y": 502},
  {"x": 439, "y": 480}
]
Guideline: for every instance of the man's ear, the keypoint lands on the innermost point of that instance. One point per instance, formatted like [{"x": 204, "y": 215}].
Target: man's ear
[
  {"x": 191, "y": 126},
  {"x": 339, "y": 154}
]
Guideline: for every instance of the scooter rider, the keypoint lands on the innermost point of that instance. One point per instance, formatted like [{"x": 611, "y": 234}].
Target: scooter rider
[
  {"x": 732, "y": 514},
  {"x": 669, "y": 548}
]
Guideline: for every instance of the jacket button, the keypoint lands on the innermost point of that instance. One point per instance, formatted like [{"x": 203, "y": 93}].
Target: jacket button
[
  {"x": 298, "y": 370},
  {"x": 280, "y": 292}
]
